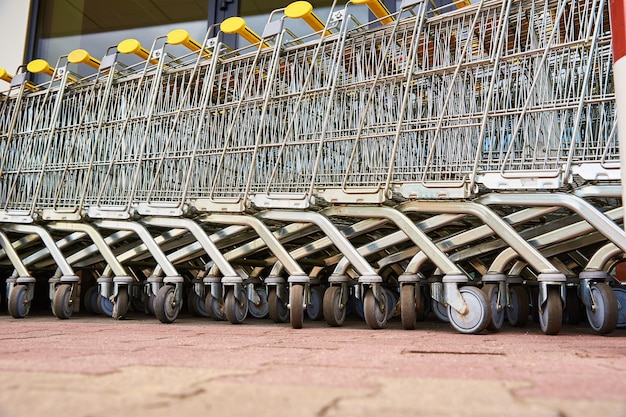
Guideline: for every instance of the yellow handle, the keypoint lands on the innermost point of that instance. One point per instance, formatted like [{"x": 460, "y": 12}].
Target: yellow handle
[
  {"x": 80, "y": 56},
  {"x": 462, "y": 3},
  {"x": 181, "y": 37},
  {"x": 378, "y": 8},
  {"x": 238, "y": 25},
  {"x": 132, "y": 46},
  {"x": 5, "y": 76},
  {"x": 40, "y": 66},
  {"x": 304, "y": 10}
]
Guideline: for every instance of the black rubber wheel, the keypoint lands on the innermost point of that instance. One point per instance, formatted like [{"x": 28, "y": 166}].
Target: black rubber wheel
[
  {"x": 120, "y": 307},
  {"x": 196, "y": 304},
  {"x": 314, "y": 310},
  {"x": 604, "y": 314},
  {"x": 492, "y": 291},
  {"x": 334, "y": 310},
  {"x": 62, "y": 305},
  {"x": 517, "y": 313},
  {"x": 90, "y": 300},
  {"x": 408, "y": 307},
  {"x": 551, "y": 312},
  {"x": 375, "y": 316},
  {"x": 236, "y": 309},
  {"x": 214, "y": 307},
  {"x": 165, "y": 307},
  {"x": 260, "y": 310},
  {"x": 19, "y": 307},
  {"x": 296, "y": 305},
  {"x": 478, "y": 316},
  {"x": 105, "y": 306},
  {"x": 440, "y": 311},
  {"x": 278, "y": 311}
]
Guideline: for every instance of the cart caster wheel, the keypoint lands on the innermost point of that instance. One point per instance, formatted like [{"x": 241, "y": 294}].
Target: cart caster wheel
[
  {"x": 517, "y": 313},
  {"x": 492, "y": 291},
  {"x": 196, "y": 304},
  {"x": 214, "y": 308},
  {"x": 62, "y": 305},
  {"x": 150, "y": 302},
  {"x": 334, "y": 310},
  {"x": 260, "y": 310},
  {"x": 166, "y": 308},
  {"x": 620, "y": 294},
  {"x": 551, "y": 313},
  {"x": 375, "y": 317},
  {"x": 90, "y": 300},
  {"x": 314, "y": 310},
  {"x": 604, "y": 314},
  {"x": 441, "y": 312},
  {"x": 408, "y": 307},
  {"x": 296, "y": 305},
  {"x": 19, "y": 307},
  {"x": 120, "y": 307},
  {"x": 105, "y": 306},
  {"x": 392, "y": 303},
  {"x": 478, "y": 315},
  {"x": 236, "y": 310},
  {"x": 278, "y": 311}
]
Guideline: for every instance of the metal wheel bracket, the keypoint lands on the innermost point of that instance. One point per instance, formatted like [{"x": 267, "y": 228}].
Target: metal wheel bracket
[
  {"x": 106, "y": 287},
  {"x": 503, "y": 295},
  {"x": 543, "y": 293},
  {"x": 30, "y": 294},
  {"x": 453, "y": 298},
  {"x": 198, "y": 288},
  {"x": 153, "y": 285},
  {"x": 117, "y": 281},
  {"x": 508, "y": 295},
  {"x": 344, "y": 295},
  {"x": 178, "y": 293},
  {"x": 237, "y": 287},
  {"x": 52, "y": 287},
  {"x": 436, "y": 293},
  {"x": 299, "y": 279},
  {"x": 308, "y": 298},
  {"x": 9, "y": 285},
  {"x": 377, "y": 290},
  {"x": 253, "y": 295},
  {"x": 584, "y": 292}
]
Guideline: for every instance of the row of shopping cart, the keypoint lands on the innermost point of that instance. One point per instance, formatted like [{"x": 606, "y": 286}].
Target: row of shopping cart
[{"x": 464, "y": 153}]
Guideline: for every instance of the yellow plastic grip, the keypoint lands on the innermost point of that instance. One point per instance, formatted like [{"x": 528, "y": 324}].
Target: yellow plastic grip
[
  {"x": 132, "y": 46},
  {"x": 304, "y": 10},
  {"x": 378, "y": 8},
  {"x": 181, "y": 37},
  {"x": 38, "y": 66},
  {"x": 80, "y": 56},
  {"x": 238, "y": 25},
  {"x": 5, "y": 76}
]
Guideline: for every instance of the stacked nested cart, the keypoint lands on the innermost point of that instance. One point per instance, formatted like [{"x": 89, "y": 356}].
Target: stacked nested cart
[{"x": 460, "y": 158}]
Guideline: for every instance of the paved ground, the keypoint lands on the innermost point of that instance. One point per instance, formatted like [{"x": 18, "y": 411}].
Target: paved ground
[{"x": 94, "y": 366}]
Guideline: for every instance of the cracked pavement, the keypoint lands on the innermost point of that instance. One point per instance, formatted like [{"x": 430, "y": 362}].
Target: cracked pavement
[{"x": 94, "y": 366}]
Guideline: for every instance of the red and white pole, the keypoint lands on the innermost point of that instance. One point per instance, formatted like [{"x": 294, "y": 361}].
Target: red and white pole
[{"x": 618, "y": 34}]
